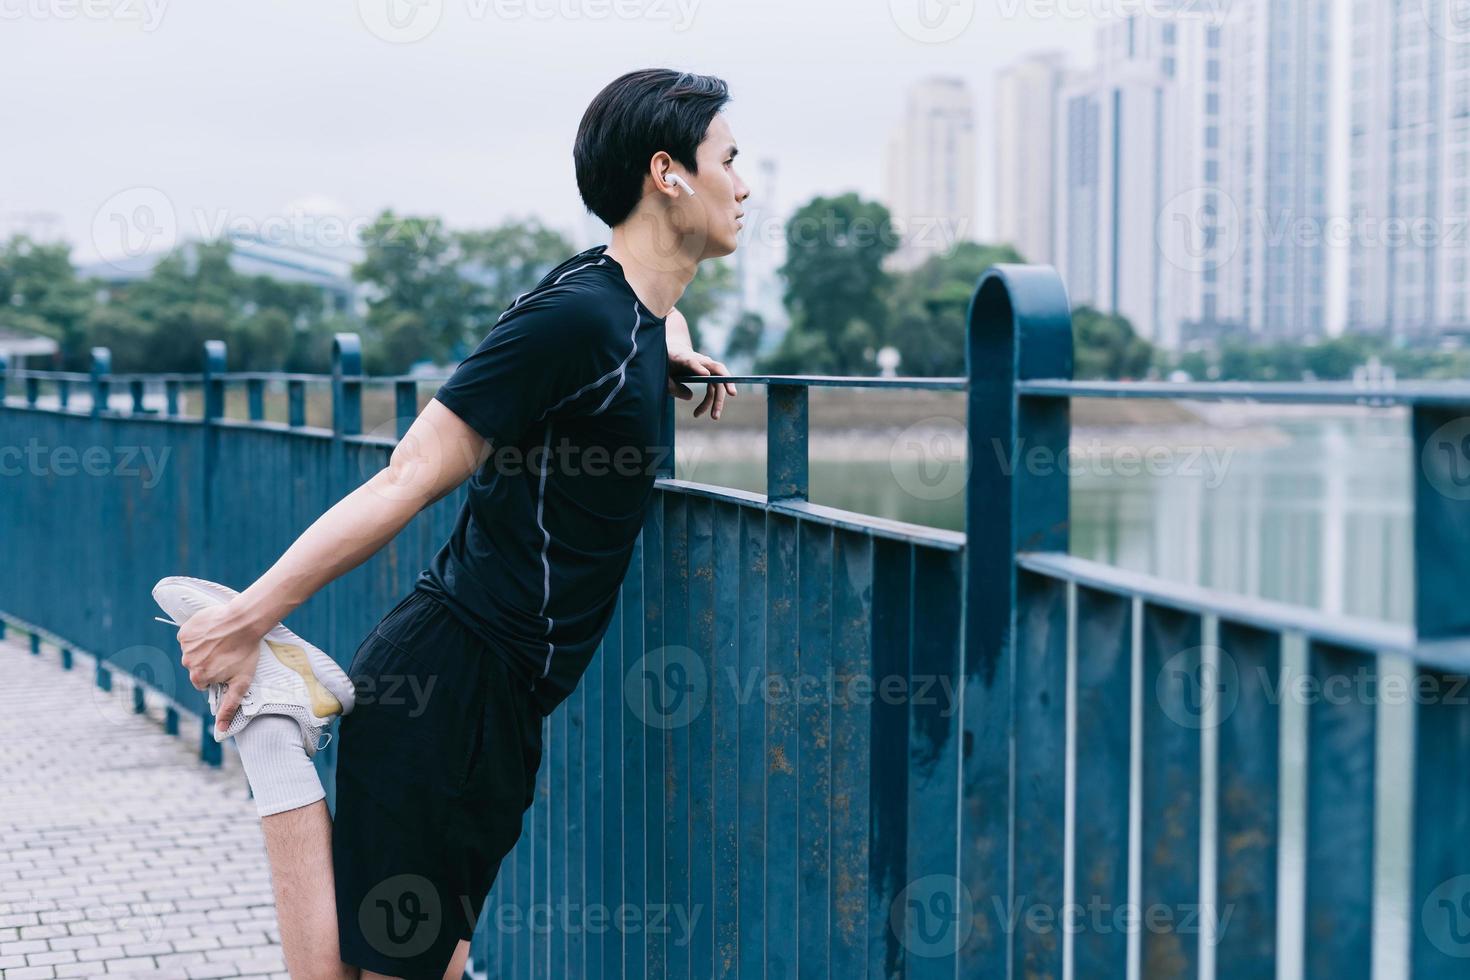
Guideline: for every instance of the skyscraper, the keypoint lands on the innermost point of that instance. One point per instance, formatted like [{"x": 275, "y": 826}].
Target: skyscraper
[
  {"x": 1025, "y": 139},
  {"x": 1409, "y": 166},
  {"x": 1138, "y": 173},
  {"x": 930, "y": 171},
  {"x": 1279, "y": 54},
  {"x": 1191, "y": 172}
]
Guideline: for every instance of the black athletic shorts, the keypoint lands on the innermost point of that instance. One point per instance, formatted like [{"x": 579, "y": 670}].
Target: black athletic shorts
[{"x": 435, "y": 769}]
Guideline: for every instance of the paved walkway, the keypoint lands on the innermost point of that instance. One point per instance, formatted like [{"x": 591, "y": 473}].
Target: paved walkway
[{"x": 120, "y": 853}]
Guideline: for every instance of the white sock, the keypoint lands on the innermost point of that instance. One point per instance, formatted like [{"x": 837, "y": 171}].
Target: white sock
[{"x": 281, "y": 776}]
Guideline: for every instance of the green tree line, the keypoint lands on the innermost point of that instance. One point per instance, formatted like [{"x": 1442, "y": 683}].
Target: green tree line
[{"x": 432, "y": 293}]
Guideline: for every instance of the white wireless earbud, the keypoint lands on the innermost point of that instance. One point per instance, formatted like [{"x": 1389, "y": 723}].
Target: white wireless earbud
[{"x": 672, "y": 179}]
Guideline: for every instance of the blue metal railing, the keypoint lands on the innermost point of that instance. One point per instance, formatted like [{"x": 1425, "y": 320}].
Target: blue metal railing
[{"x": 840, "y": 834}]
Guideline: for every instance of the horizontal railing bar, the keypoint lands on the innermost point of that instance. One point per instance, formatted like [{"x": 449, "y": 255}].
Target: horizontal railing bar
[
  {"x": 153, "y": 378},
  {"x": 1367, "y": 635},
  {"x": 821, "y": 381},
  {"x": 801, "y": 381},
  {"x": 74, "y": 377},
  {"x": 1306, "y": 393},
  {"x": 920, "y": 534}
]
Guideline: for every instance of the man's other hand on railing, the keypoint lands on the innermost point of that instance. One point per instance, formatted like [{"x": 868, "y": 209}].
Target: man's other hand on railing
[{"x": 685, "y": 360}]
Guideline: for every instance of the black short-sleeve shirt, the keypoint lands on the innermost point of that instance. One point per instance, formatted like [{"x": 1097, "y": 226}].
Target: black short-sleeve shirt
[{"x": 569, "y": 388}]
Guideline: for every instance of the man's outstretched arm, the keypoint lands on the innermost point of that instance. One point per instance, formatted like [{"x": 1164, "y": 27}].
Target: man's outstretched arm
[{"x": 436, "y": 455}]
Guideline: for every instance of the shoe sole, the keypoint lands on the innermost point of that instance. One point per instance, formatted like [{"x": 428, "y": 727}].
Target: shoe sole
[{"x": 327, "y": 684}]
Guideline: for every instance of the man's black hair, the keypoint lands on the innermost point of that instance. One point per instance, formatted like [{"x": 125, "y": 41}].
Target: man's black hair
[{"x": 633, "y": 118}]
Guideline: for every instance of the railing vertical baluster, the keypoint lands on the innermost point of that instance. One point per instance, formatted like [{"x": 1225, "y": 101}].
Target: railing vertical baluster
[
  {"x": 63, "y": 392},
  {"x": 135, "y": 388},
  {"x": 255, "y": 397},
  {"x": 1247, "y": 826},
  {"x": 5, "y": 382},
  {"x": 406, "y": 405},
  {"x": 35, "y": 644},
  {"x": 1101, "y": 774},
  {"x": 171, "y": 396},
  {"x": 1175, "y": 675},
  {"x": 665, "y": 467},
  {"x": 1019, "y": 328},
  {"x": 296, "y": 403},
  {"x": 786, "y": 442},
  {"x": 101, "y": 368},
  {"x": 1341, "y": 740},
  {"x": 214, "y": 386},
  {"x": 66, "y": 658},
  {"x": 1041, "y": 752},
  {"x": 215, "y": 355},
  {"x": 346, "y": 384},
  {"x": 1439, "y": 904}
]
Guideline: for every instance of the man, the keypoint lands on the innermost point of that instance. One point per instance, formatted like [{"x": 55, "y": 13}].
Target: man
[{"x": 555, "y": 420}]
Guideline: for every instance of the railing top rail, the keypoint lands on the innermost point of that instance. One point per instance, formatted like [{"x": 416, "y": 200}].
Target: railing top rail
[
  {"x": 835, "y": 381},
  {"x": 794, "y": 380},
  {"x": 76, "y": 377},
  {"x": 882, "y": 527},
  {"x": 1282, "y": 392},
  {"x": 1370, "y": 636},
  {"x": 1287, "y": 392}
]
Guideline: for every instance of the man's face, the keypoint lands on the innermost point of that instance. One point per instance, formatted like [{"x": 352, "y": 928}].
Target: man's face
[{"x": 719, "y": 189}]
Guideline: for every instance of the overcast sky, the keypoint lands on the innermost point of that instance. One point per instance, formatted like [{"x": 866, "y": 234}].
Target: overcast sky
[{"x": 243, "y": 110}]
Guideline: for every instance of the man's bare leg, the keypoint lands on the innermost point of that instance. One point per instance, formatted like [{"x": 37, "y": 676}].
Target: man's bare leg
[{"x": 299, "y": 845}]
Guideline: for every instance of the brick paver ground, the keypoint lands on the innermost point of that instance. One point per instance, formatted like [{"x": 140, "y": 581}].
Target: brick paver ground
[{"x": 120, "y": 853}]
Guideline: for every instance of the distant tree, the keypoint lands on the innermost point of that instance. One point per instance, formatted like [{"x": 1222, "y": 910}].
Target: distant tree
[
  {"x": 745, "y": 336},
  {"x": 40, "y": 294},
  {"x": 160, "y": 323},
  {"x": 1105, "y": 346},
  {"x": 508, "y": 260},
  {"x": 929, "y": 305},
  {"x": 835, "y": 279},
  {"x": 412, "y": 265},
  {"x": 436, "y": 293}
]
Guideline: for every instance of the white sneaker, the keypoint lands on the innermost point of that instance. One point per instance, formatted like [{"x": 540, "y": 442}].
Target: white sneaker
[{"x": 292, "y": 677}]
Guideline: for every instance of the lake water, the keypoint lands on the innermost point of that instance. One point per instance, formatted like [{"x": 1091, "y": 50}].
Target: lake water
[
  {"x": 1318, "y": 515},
  {"x": 1320, "y": 518}
]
